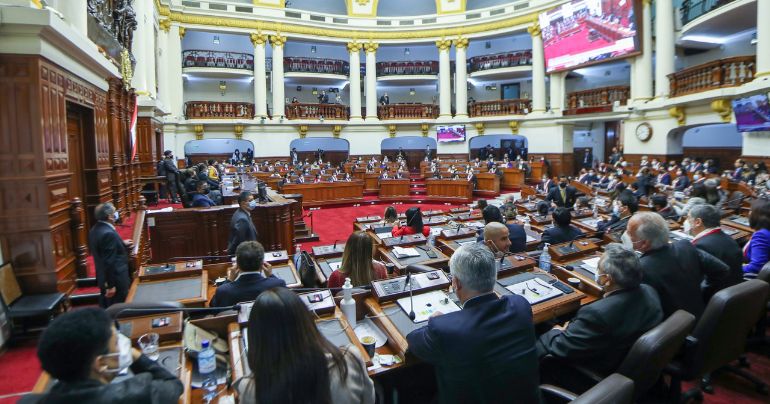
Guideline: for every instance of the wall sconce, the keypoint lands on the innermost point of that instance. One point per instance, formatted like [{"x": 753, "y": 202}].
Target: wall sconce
[
  {"x": 315, "y": 91},
  {"x": 407, "y": 52},
  {"x": 411, "y": 91},
  {"x": 299, "y": 88},
  {"x": 312, "y": 49},
  {"x": 222, "y": 87},
  {"x": 216, "y": 40}
]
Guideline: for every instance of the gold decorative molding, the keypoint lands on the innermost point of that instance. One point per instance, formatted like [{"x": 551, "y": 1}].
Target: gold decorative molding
[
  {"x": 354, "y": 47},
  {"x": 534, "y": 28},
  {"x": 443, "y": 44},
  {"x": 647, "y": 2},
  {"x": 479, "y": 127},
  {"x": 361, "y": 3},
  {"x": 441, "y": 11},
  {"x": 723, "y": 108},
  {"x": 125, "y": 68},
  {"x": 678, "y": 114},
  {"x": 461, "y": 43},
  {"x": 281, "y": 4},
  {"x": 392, "y": 130},
  {"x": 258, "y": 38},
  {"x": 371, "y": 47},
  {"x": 424, "y": 129},
  {"x": 514, "y": 125},
  {"x": 165, "y": 25},
  {"x": 336, "y": 129},
  {"x": 302, "y": 129},
  {"x": 277, "y": 40},
  {"x": 198, "y": 132},
  {"x": 238, "y": 131},
  {"x": 182, "y": 31}
]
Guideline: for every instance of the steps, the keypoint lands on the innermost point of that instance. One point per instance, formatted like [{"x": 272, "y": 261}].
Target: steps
[{"x": 417, "y": 185}]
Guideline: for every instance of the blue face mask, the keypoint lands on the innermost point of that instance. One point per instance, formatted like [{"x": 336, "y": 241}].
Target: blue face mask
[
  {"x": 116, "y": 215},
  {"x": 252, "y": 204}
]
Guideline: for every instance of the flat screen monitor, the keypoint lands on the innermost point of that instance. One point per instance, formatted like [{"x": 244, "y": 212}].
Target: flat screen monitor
[
  {"x": 752, "y": 114},
  {"x": 450, "y": 134},
  {"x": 583, "y": 32}
]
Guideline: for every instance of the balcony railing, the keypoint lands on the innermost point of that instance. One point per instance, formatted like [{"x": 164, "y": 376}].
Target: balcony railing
[
  {"x": 225, "y": 60},
  {"x": 500, "y": 107},
  {"x": 316, "y": 65},
  {"x": 728, "y": 72},
  {"x": 692, "y": 9},
  {"x": 407, "y": 68},
  {"x": 218, "y": 110},
  {"x": 500, "y": 60},
  {"x": 317, "y": 111},
  {"x": 407, "y": 111},
  {"x": 596, "y": 100}
]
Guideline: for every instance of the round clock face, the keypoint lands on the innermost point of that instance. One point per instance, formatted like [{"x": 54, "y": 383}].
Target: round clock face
[{"x": 644, "y": 132}]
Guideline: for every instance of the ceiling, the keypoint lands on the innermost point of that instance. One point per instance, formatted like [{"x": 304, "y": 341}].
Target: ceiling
[{"x": 386, "y": 8}]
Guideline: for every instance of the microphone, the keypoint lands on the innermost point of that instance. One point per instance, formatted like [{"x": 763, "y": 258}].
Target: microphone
[
  {"x": 412, "y": 316},
  {"x": 198, "y": 257},
  {"x": 335, "y": 245}
]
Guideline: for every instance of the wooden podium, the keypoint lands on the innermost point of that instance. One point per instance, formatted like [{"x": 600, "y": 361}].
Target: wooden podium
[
  {"x": 458, "y": 191},
  {"x": 538, "y": 169},
  {"x": 513, "y": 178},
  {"x": 487, "y": 184},
  {"x": 325, "y": 193},
  {"x": 394, "y": 189}
]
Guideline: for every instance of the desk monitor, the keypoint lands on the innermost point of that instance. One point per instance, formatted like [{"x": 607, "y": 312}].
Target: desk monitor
[
  {"x": 394, "y": 288},
  {"x": 427, "y": 304},
  {"x": 175, "y": 289}
]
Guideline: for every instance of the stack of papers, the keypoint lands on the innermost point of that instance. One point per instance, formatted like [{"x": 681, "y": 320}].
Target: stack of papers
[
  {"x": 335, "y": 265},
  {"x": 384, "y": 235},
  {"x": 591, "y": 265},
  {"x": 535, "y": 290},
  {"x": 530, "y": 239},
  {"x": 400, "y": 252}
]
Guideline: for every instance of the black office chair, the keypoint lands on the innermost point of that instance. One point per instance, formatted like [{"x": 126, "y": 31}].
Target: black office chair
[
  {"x": 760, "y": 331},
  {"x": 614, "y": 389},
  {"x": 720, "y": 336},
  {"x": 24, "y": 306},
  {"x": 135, "y": 309}
]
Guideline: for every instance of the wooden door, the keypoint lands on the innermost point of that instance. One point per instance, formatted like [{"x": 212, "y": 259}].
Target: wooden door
[{"x": 75, "y": 152}]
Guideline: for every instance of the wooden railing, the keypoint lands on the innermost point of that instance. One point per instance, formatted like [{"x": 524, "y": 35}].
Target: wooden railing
[
  {"x": 227, "y": 60},
  {"x": 407, "y": 68},
  {"x": 499, "y": 60},
  {"x": 596, "y": 100},
  {"x": 692, "y": 9},
  {"x": 140, "y": 250},
  {"x": 316, "y": 65},
  {"x": 500, "y": 107},
  {"x": 218, "y": 110},
  {"x": 728, "y": 72},
  {"x": 407, "y": 111},
  {"x": 317, "y": 111}
]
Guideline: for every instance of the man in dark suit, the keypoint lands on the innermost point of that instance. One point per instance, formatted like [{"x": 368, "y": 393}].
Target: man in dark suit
[
  {"x": 172, "y": 175},
  {"x": 507, "y": 237},
  {"x": 110, "y": 256},
  {"x": 588, "y": 159},
  {"x": 600, "y": 335},
  {"x": 703, "y": 223},
  {"x": 484, "y": 353},
  {"x": 562, "y": 231},
  {"x": 545, "y": 185},
  {"x": 384, "y": 99},
  {"x": 660, "y": 205},
  {"x": 563, "y": 195},
  {"x": 251, "y": 277},
  {"x": 241, "y": 227},
  {"x": 623, "y": 207},
  {"x": 679, "y": 272}
]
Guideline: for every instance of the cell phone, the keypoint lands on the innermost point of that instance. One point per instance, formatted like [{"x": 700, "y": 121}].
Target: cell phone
[
  {"x": 161, "y": 322},
  {"x": 432, "y": 276},
  {"x": 315, "y": 298},
  {"x": 431, "y": 254},
  {"x": 276, "y": 254}
]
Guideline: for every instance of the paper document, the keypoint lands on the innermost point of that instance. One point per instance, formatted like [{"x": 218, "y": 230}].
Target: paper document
[
  {"x": 425, "y": 304},
  {"x": 530, "y": 239},
  {"x": 535, "y": 290},
  {"x": 335, "y": 265},
  {"x": 168, "y": 209},
  {"x": 384, "y": 235},
  {"x": 591, "y": 264},
  {"x": 401, "y": 252}
]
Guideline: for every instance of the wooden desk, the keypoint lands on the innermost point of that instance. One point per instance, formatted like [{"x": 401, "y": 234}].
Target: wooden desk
[
  {"x": 457, "y": 191},
  {"x": 371, "y": 182},
  {"x": 512, "y": 177},
  {"x": 191, "y": 291},
  {"x": 387, "y": 256},
  {"x": 394, "y": 189},
  {"x": 487, "y": 184},
  {"x": 326, "y": 193},
  {"x": 538, "y": 168},
  {"x": 738, "y": 222}
]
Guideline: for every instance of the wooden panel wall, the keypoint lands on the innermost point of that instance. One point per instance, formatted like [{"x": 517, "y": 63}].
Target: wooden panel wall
[
  {"x": 149, "y": 137},
  {"x": 559, "y": 163},
  {"x": 724, "y": 156}
]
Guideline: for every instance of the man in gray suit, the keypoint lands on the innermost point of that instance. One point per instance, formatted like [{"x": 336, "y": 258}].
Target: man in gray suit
[
  {"x": 172, "y": 175},
  {"x": 241, "y": 226}
]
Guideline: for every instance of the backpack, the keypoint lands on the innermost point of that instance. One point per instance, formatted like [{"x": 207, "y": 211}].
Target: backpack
[{"x": 161, "y": 168}]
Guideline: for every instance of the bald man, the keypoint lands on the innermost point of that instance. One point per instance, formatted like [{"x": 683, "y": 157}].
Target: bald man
[{"x": 496, "y": 237}]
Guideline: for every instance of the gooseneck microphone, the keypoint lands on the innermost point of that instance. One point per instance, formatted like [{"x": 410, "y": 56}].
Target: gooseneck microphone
[
  {"x": 335, "y": 245},
  {"x": 412, "y": 316}
]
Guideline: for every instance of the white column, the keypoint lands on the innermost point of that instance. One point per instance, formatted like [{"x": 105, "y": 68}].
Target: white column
[
  {"x": 371, "y": 80},
  {"x": 556, "y": 88},
  {"x": 143, "y": 50},
  {"x": 260, "y": 83},
  {"x": 763, "y": 38},
  {"x": 642, "y": 80},
  {"x": 664, "y": 45},
  {"x": 278, "y": 100},
  {"x": 538, "y": 69},
  {"x": 444, "y": 82},
  {"x": 76, "y": 13},
  {"x": 354, "y": 49},
  {"x": 461, "y": 78},
  {"x": 164, "y": 38},
  {"x": 174, "y": 72}
]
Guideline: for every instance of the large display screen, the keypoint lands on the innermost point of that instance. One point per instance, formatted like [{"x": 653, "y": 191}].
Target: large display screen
[
  {"x": 583, "y": 32},
  {"x": 752, "y": 114},
  {"x": 448, "y": 134}
]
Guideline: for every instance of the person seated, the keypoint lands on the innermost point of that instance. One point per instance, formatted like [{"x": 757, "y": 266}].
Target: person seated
[
  {"x": 714, "y": 194},
  {"x": 515, "y": 233},
  {"x": 601, "y": 334},
  {"x": 279, "y": 324},
  {"x": 681, "y": 181},
  {"x": 385, "y": 175},
  {"x": 481, "y": 204},
  {"x": 623, "y": 207},
  {"x": 545, "y": 185},
  {"x": 358, "y": 263},
  {"x": 663, "y": 179},
  {"x": 201, "y": 198},
  {"x": 562, "y": 231},
  {"x": 317, "y": 179},
  {"x": 563, "y": 195},
  {"x": 484, "y": 353},
  {"x": 697, "y": 197},
  {"x": 250, "y": 277},
  {"x": 679, "y": 272},
  {"x": 301, "y": 178},
  {"x": 413, "y": 224},
  {"x": 660, "y": 205},
  {"x": 740, "y": 167},
  {"x": 390, "y": 217},
  {"x": 703, "y": 223},
  {"x": 757, "y": 251},
  {"x": 509, "y": 209},
  {"x": 83, "y": 351}
]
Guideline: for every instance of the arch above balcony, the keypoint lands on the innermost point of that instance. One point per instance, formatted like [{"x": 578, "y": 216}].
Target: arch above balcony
[
  {"x": 408, "y": 143},
  {"x": 218, "y": 149}
]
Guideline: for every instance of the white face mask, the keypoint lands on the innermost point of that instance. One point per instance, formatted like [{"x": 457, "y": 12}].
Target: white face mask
[
  {"x": 116, "y": 215},
  {"x": 616, "y": 210},
  {"x": 125, "y": 358},
  {"x": 627, "y": 242},
  {"x": 696, "y": 177},
  {"x": 687, "y": 227}
]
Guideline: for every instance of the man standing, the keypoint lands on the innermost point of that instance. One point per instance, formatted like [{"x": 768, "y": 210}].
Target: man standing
[
  {"x": 241, "y": 227},
  {"x": 484, "y": 353},
  {"x": 562, "y": 196},
  {"x": 110, "y": 256},
  {"x": 588, "y": 159},
  {"x": 172, "y": 175},
  {"x": 384, "y": 99}
]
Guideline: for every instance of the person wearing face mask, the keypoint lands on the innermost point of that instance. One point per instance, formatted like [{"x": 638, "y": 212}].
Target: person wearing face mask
[
  {"x": 250, "y": 277},
  {"x": 562, "y": 196},
  {"x": 241, "y": 226},
  {"x": 601, "y": 334},
  {"x": 201, "y": 197},
  {"x": 172, "y": 176},
  {"x": 110, "y": 255},
  {"x": 545, "y": 185},
  {"x": 703, "y": 224},
  {"x": 681, "y": 181},
  {"x": 623, "y": 207},
  {"x": 682, "y": 275},
  {"x": 84, "y": 352}
]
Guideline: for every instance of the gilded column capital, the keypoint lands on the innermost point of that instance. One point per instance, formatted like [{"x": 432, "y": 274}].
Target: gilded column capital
[
  {"x": 354, "y": 47},
  {"x": 277, "y": 40},
  {"x": 258, "y": 38},
  {"x": 534, "y": 29},
  {"x": 461, "y": 43},
  {"x": 443, "y": 44},
  {"x": 165, "y": 25},
  {"x": 371, "y": 47},
  {"x": 647, "y": 2},
  {"x": 182, "y": 31}
]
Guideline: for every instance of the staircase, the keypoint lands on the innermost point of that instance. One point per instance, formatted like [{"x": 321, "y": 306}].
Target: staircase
[{"x": 417, "y": 186}]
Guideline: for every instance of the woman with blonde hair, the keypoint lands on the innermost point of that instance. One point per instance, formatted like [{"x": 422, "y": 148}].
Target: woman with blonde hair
[{"x": 357, "y": 263}]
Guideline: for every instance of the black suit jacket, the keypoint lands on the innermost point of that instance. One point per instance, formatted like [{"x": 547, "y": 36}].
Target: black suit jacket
[
  {"x": 722, "y": 246},
  {"x": 110, "y": 257},
  {"x": 241, "y": 229},
  {"x": 615, "y": 224},
  {"x": 247, "y": 287},
  {"x": 558, "y": 234},
  {"x": 602, "y": 332},
  {"x": 677, "y": 270},
  {"x": 554, "y": 195},
  {"x": 484, "y": 353},
  {"x": 516, "y": 234},
  {"x": 171, "y": 170}
]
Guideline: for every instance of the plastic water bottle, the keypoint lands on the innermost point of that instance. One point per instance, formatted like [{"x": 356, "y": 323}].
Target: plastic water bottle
[
  {"x": 431, "y": 240},
  {"x": 545, "y": 259},
  {"x": 527, "y": 225},
  {"x": 207, "y": 366},
  {"x": 596, "y": 210},
  {"x": 297, "y": 254},
  {"x": 348, "y": 305}
]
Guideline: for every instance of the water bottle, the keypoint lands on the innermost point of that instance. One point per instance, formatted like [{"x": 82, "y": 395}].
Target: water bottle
[
  {"x": 348, "y": 305},
  {"x": 545, "y": 259},
  {"x": 527, "y": 225},
  {"x": 297, "y": 254},
  {"x": 596, "y": 209},
  {"x": 207, "y": 366},
  {"x": 431, "y": 240}
]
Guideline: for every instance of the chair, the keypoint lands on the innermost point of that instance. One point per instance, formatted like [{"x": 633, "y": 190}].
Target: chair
[
  {"x": 135, "y": 309},
  {"x": 614, "y": 389},
  {"x": 720, "y": 337},
  {"x": 25, "y": 306}
]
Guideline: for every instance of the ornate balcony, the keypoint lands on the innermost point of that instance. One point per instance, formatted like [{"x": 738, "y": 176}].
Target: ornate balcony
[
  {"x": 407, "y": 111},
  {"x": 225, "y": 60},
  {"x": 692, "y": 9},
  {"x": 317, "y": 111},
  {"x": 500, "y": 61},
  {"x": 315, "y": 65},
  {"x": 218, "y": 110},
  {"x": 730, "y": 72},
  {"x": 407, "y": 68},
  {"x": 518, "y": 106},
  {"x": 596, "y": 100}
]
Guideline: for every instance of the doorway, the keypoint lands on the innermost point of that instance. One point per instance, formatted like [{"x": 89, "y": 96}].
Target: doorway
[{"x": 81, "y": 153}]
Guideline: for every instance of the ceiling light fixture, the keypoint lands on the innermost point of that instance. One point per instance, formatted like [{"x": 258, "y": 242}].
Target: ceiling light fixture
[
  {"x": 216, "y": 40},
  {"x": 406, "y": 51},
  {"x": 312, "y": 49}
]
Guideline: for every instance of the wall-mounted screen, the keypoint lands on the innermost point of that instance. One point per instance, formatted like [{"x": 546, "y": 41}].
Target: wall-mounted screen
[
  {"x": 582, "y": 32},
  {"x": 449, "y": 134},
  {"x": 752, "y": 114}
]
